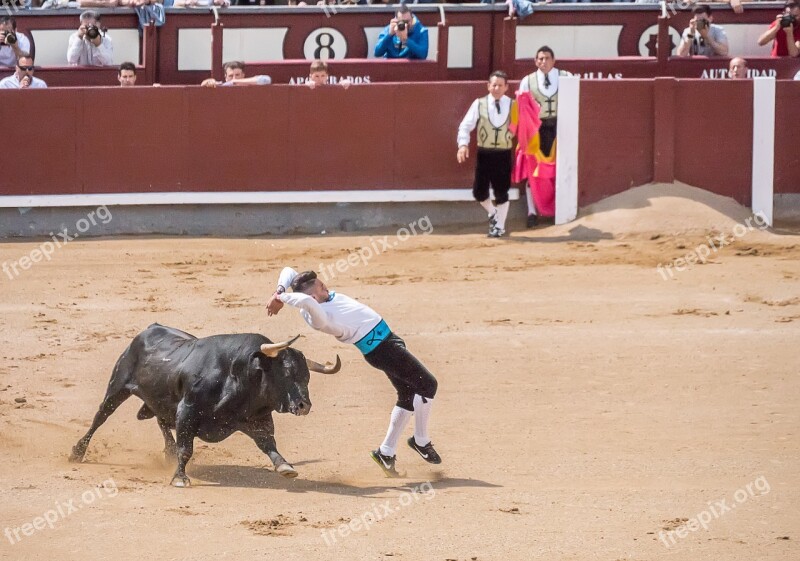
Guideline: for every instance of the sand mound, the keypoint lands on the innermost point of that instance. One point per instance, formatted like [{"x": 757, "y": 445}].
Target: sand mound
[{"x": 663, "y": 208}]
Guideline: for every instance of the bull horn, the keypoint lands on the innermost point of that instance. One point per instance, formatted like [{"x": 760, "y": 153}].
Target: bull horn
[
  {"x": 272, "y": 349},
  {"x": 323, "y": 369}
]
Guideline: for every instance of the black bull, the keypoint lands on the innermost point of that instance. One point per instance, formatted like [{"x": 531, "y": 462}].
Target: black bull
[{"x": 209, "y": 388}]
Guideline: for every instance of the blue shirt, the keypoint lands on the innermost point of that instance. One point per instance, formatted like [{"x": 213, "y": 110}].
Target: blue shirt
[{"x": 416, "y": 47}]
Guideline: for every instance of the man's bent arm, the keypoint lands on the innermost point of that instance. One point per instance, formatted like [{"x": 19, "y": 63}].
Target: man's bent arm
[{"x": 319, "y": 319}]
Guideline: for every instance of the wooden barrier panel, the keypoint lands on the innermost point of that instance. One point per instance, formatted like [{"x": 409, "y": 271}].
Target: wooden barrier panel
[
  {"x": 276, "y": 138},
  {"x": 787, "y": 141},
  {"x": 616, "y": 137},
  {"x": 375, "y": 137}
]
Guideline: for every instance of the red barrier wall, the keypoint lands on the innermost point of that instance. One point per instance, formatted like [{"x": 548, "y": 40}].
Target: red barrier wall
[
  {"x": 696, "y": 131},
  {"x": 616, "y": 137},
  {"x": 381, "y": 136},
  {"x": 787, "y": 139}
]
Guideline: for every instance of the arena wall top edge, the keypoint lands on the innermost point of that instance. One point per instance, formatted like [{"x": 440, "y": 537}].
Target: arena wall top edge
[{"x": 477, "y": 39}]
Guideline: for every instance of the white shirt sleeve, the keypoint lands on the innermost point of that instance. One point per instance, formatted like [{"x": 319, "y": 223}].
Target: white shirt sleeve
[
  {"x": 468, "y": 124},
  {"x": 75, "y": 48},
  {"x": 104, "y": 54},
  {"x": 286, "y": 277},
  {"x": 312, "y": 312},
  {"x": 523, "y": 85}
]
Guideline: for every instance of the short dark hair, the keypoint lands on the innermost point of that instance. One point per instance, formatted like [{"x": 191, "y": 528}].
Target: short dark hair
[
  {"x": 90, "y": 14},
  {"x": 498, "y": 74},
  {"x": 403, "y": 9},
  {"x": 24, "y": 54},
  {"x": 303, "y": 281},
  {"x": 9, "y": 19},
  {"x": 546, "y": 49},
  {"x": 126, "y": 66},
  {"x": 702, "y": 9},
  {"x": 234, "y": 64}
]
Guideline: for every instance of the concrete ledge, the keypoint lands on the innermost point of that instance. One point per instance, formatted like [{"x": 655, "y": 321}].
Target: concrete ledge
[{"x": 242, "y": 219}]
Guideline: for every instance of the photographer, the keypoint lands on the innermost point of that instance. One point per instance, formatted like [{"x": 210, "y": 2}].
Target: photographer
[
  {"x": 784, "y": 31},
  {"x": 90, "y": 45},
  {"x": 22, "y": 78},
  {"x": 703, "y": 37},
  {"x": 404, "y": 37},
  {"x": 11, "y": 42}
]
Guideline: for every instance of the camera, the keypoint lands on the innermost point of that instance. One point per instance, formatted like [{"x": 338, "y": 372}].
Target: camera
[
  {"x": 401, "y": 26},
  {"x": 701, "y": 23},
  {"x": 787, "y": 20},
  {"x": 92, "y": 32},
  {"x": 10, "y": 38}
]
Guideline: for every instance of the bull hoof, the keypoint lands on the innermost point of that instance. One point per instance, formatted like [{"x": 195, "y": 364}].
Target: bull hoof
[
  {"x": 77, "y": 455},
  {"x": 287, "y": 471},
  {"x": 180, "y": 481}
]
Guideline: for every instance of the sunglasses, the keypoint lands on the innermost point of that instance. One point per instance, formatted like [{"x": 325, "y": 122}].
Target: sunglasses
[{"x": 25, "y": 68}]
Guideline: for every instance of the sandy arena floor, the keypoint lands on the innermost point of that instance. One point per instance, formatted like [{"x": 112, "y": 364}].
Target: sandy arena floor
[{"x": 587, "y": 408}]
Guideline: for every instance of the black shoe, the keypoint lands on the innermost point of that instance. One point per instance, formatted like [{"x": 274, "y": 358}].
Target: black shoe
[
  {"x": 496, "y": 233},
  {"x": 532, "y": 221},
  {"x": 386, "y": 463},
  {"x": 427, "y": 452}
]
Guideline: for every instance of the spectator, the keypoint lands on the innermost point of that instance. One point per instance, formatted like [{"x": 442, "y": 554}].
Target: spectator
[
  {"x": 738, "y": 68},
  {"x": 703, "y": 37},
  {"x": 784, "y": 32},
  {"x": 491, "y": 115},
  {"x": 234, "y": 76},
  {"x": 23, "y": 76},
  {"x": 90, "y": 45},
  {"x": 127, "y": 74},
  {"x": 318, "y": 75},
  {"x": 12, "y": 43},
  {"x": 404, "y": 37},
  {"x": 536, "y": 159}
]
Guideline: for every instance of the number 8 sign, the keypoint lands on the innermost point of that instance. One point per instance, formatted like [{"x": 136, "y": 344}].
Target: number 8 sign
[{"x": 325, "y": 43}]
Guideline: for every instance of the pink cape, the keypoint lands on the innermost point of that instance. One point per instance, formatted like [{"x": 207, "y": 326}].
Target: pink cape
[{"x": 530, "y": 164}]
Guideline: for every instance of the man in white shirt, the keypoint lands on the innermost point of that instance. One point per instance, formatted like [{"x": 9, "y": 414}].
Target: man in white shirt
[
  {"x": 491, "y": 115},
  {"x": 90, "y": 45},
  {"x": 23, "y": 76},
  {"x": 352, "y": 322},
  {"x": 12, "y": 43},
  {"x": 543, "y": 87},
  {"x": 703, "y": 37}
]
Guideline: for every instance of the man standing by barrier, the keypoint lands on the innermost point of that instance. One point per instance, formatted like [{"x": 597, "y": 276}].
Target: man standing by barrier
[
  {"x": 491, "y": 115},
  {"x": 536, "y": 152},
  {"x": 23, "y": 76}
]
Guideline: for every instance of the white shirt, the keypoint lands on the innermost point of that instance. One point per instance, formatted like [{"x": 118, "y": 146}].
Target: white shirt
[
  {"x": 548, "y": 91},
  {"x": 7, "y": 55},
  {"x": 82, "y": 52},
  {"x": 12, "y": 82},
  {"x": 471, "y": 118},
  {"x": 341, "y": 316}
]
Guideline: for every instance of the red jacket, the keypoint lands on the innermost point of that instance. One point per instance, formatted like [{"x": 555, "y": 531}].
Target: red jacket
[{"x": 779, "y": 47}]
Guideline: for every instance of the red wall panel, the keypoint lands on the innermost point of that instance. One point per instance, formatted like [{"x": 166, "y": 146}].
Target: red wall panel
[
  {"x": 787, "y": 138},
  {"x": 714, "y": 136},
  {"x": 616, "y": 137}
]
